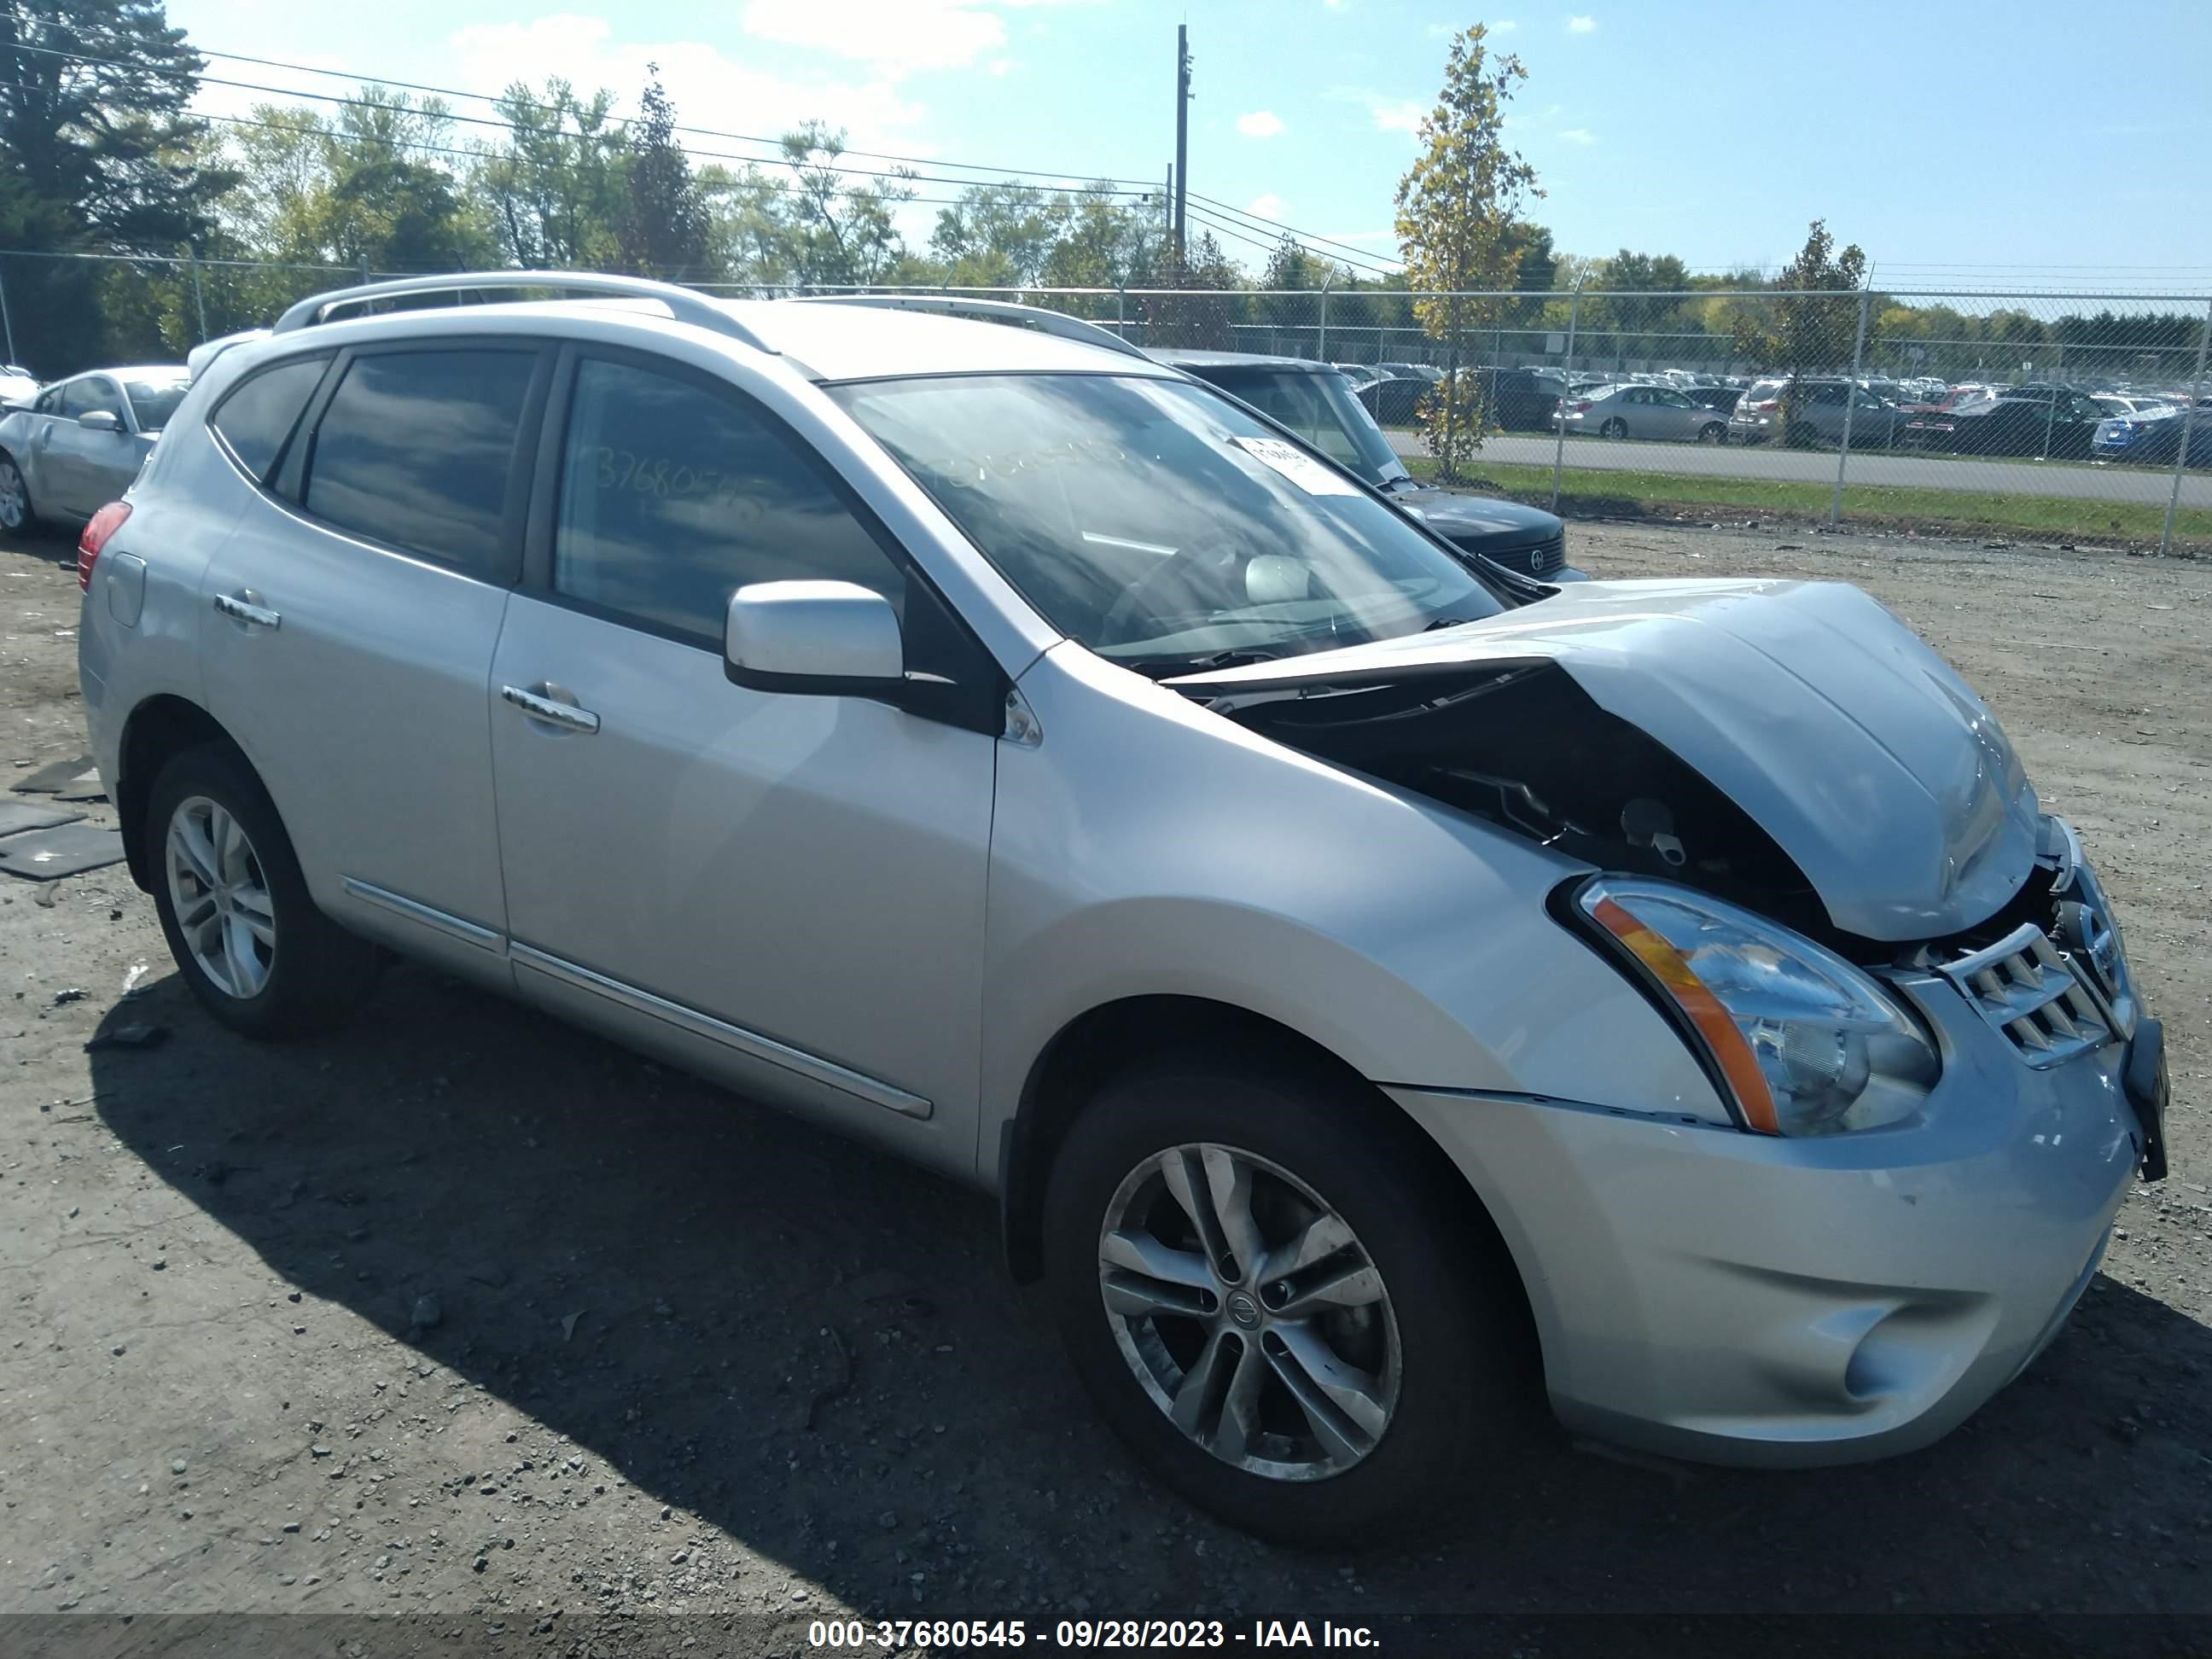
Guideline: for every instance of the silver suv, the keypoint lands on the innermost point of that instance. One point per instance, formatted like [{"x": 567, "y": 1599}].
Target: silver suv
[{"x": 1367, "y": 981}]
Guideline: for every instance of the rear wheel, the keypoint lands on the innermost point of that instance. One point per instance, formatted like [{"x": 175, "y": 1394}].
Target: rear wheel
[
  {"x": 1615, "y": 428},
  {"x": 1279, "y": 1305},
  {"x": 250, "y": 941},
  {"x": 17, "y": 516},
  {"x": 1713, "y": 432}
]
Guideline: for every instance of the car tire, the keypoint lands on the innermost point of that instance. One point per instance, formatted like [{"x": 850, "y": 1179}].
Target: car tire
[
  {"x": 257, "y": 951},
  {"x": 18, "y": 517},
  {"x": 1615, "y": 428},
  {"x": 1713, "y": 432},
  {"x": 1443, "y": 1354}
]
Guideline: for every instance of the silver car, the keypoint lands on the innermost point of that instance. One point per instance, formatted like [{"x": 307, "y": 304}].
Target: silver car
[
  {"x": 1365, "y": 986},
  {"x": 82, "y": 441},
  {"x": 1641, "y": 411}
]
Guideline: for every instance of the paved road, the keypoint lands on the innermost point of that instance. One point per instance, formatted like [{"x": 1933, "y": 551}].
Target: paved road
[{"x": 2023, "y": 477}]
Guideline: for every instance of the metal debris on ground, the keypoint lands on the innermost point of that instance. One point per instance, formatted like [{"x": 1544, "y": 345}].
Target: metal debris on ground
[
  {"x": 17, "y": 815},
  {"x": 67, "y": 849},
  {"x": 54, "y": 774}
]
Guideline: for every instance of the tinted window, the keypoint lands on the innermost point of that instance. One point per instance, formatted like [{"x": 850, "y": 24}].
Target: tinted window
[
  {"x": 416, "y": 447},
  {"x": 1320, "y": 409},
  {"x": 257, "y": 417},
  {"x": 674, "y": 496},
  {"x": 92, "y": 391}
]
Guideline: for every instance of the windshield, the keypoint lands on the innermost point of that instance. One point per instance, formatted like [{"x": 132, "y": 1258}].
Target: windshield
[
  {"x": 1321, "y": 409},
  {"x": 153, "y": 401},
  {"x": 1158, "y": 524}
]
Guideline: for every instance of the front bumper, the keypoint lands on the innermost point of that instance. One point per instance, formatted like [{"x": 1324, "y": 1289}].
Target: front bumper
[{"x": 1743, "y": 1298}]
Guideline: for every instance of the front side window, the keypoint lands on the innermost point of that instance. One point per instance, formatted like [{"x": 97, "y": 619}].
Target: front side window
[
  {"x": 416, "y": 449},
  {"x": 1320, "y": 409},
  {"x": 675, "y": 495},
  {"x": 256, "y": 417},
  {"x": 1158, "y": 524},
  {"x": 94, "y": 391}
]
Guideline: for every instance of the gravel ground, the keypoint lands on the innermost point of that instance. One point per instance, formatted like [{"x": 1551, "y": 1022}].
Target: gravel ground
[{"x": 464, "y": 1313}]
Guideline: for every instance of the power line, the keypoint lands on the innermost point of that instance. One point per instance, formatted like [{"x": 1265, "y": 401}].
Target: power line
[
  {"x": 1306, "y": 236},
  {"x": 1243, "y": 234}
]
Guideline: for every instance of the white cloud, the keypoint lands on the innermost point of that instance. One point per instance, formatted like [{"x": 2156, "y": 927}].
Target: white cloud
[
  {"x": 1579, "y": 136},
  {"x": 1002, "y": 66},
  {"x": 1503, "y": 26},
  {"x": 897, "y": 36},
  {"x": 1582, "y": 26},
  {"x": 707, "y": 88},
  {"x": 1260, "y": 123},
  {"x": 1398, "y": 115},
  {"x": 1268, "y": 205},
  {"x": 238, "y": 102}
]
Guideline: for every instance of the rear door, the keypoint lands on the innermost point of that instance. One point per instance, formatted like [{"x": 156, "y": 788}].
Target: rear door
[{"x": 348, "y": 624}]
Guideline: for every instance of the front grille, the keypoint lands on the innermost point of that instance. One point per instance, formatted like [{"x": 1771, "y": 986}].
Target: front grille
[
  {"x": 1539, "y": 559},
  {"x": 2030, "y": 992}
]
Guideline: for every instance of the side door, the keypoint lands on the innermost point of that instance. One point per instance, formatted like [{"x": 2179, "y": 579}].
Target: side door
[
  {"x": 77, "y": 457},
  {"x": 349, "y": 622},
  {"x": 783, "y": 890}
]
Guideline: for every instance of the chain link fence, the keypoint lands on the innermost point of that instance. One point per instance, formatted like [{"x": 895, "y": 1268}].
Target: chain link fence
[{"x": 2057, "y": 416}]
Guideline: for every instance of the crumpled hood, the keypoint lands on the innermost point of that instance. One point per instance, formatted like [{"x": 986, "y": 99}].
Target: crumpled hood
[
  {"x": 1477, "y": 518},
  {"x": 1864, "y": 755}
]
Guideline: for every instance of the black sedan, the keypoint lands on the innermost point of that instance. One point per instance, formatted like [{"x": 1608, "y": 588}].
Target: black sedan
[{"x": 2048, "y": 427}]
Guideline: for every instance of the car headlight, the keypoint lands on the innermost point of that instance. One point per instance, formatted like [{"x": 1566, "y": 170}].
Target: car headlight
[{"x": 1805, "y": 1043}]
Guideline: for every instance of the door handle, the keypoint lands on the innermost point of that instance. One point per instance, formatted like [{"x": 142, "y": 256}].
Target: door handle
[
  {"x": 246, "y": 607},
  {"x": 551, "y": 709}
]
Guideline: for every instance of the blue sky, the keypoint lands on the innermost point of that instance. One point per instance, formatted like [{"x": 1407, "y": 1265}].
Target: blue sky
[{"x": 2037, "y": 141}]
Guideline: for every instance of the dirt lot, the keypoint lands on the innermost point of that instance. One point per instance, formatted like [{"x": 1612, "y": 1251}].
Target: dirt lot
[{"x": 686, "y": 1355}]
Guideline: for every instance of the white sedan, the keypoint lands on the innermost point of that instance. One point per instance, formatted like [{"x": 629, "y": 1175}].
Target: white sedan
[{"x": 1642, "y": 411}]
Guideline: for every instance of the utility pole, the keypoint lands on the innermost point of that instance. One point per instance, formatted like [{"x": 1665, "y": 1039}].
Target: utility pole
[{"x": 1182, "y": 134}]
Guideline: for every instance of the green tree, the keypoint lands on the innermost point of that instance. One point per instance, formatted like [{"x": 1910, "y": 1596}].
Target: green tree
[
  {"x": 662, "y": 230},
  {"x": 1809, "y": 326},
  {"x": 553, "y": 189},
  {"x": 1456, "y": 205},
  {"x": 1001, "y": 235},
  {"x": 837, "y": 233},
  {"x": 98, "y": 153}
]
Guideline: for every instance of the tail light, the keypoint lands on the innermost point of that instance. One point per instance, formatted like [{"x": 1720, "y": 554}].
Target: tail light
[
  {"x": 104, "y": 523},
  {"x": 1580, "y": 404}
]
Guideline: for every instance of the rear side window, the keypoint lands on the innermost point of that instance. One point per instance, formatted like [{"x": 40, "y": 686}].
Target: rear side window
[
  {"x": 673, "y": 496},
  {"x": 257, "y": 416},
  {"x": 416, "y": 449}
]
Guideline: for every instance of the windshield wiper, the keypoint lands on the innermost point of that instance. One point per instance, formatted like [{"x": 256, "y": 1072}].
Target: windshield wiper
[
  {"x": 1161, "y": 668},
  {"x": 1446, "y": 622}
]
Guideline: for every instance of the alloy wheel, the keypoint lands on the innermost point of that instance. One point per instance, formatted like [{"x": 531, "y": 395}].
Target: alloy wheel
[
  {"x": 220, "y": 895},
  {"x": 1249, "y": 1313},
  {"x": 15, "y": 500}
]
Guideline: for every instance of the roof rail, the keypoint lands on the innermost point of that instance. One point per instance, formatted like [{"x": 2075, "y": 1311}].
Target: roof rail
[
  {"x": 207, "y": 351},
  {"x": 990, "y": 311},
  {"x": 684, "y": 304}
]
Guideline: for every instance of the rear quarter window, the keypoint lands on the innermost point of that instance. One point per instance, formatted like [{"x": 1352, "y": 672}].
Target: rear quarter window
[{"x": 256, "y": 417}]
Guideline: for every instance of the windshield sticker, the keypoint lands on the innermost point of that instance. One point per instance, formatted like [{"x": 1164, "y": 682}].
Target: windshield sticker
[{"x": 1294, "y": 463}]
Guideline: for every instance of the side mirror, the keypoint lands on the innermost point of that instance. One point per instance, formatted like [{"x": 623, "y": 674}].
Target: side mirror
[
  {"x": 814, "y": 638},
  {"x": 100, "y": 420}
]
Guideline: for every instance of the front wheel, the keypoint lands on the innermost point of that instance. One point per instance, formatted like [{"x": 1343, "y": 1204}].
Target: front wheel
[
  {"x": 16, "y": 517},
  {"x": 250, "y": 940},
  {"x": 1713, "y": 432},
  {"x": 1279, "y": 1304}
]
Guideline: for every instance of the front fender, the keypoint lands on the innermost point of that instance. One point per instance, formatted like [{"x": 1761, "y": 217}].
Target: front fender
[{"x": 1145, "y": 847}]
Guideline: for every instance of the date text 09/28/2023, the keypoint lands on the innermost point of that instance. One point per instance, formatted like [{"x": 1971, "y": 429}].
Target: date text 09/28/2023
[{"x": 896, "y": 1635}]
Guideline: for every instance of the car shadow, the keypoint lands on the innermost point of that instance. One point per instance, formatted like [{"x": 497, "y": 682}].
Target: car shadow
[{"x": 816, "y": 1350}]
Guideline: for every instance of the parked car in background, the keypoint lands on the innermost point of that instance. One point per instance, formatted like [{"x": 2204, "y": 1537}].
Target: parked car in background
[
  {"x": 2125, "y": 405},
  {"x": 1758, "y": 412},
  {"x": 17, "y": 385},
  {"x": 2062, "y": 426},
  {"x": 1358, "y": 374},
  {"x": 1395, "y": 399},
  {"x": 1721, "y": 399},
  {"x": 1380, "y": 996},
  {"x": 82, "y": 441},
  {"x": 1428, "y": 372},
  {"x": 1312, "y": 400},
  {"x": 1642, "y": 411},
  {"x": 1520, "y": 400},
  {"x": 2154, "y": 436}
]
